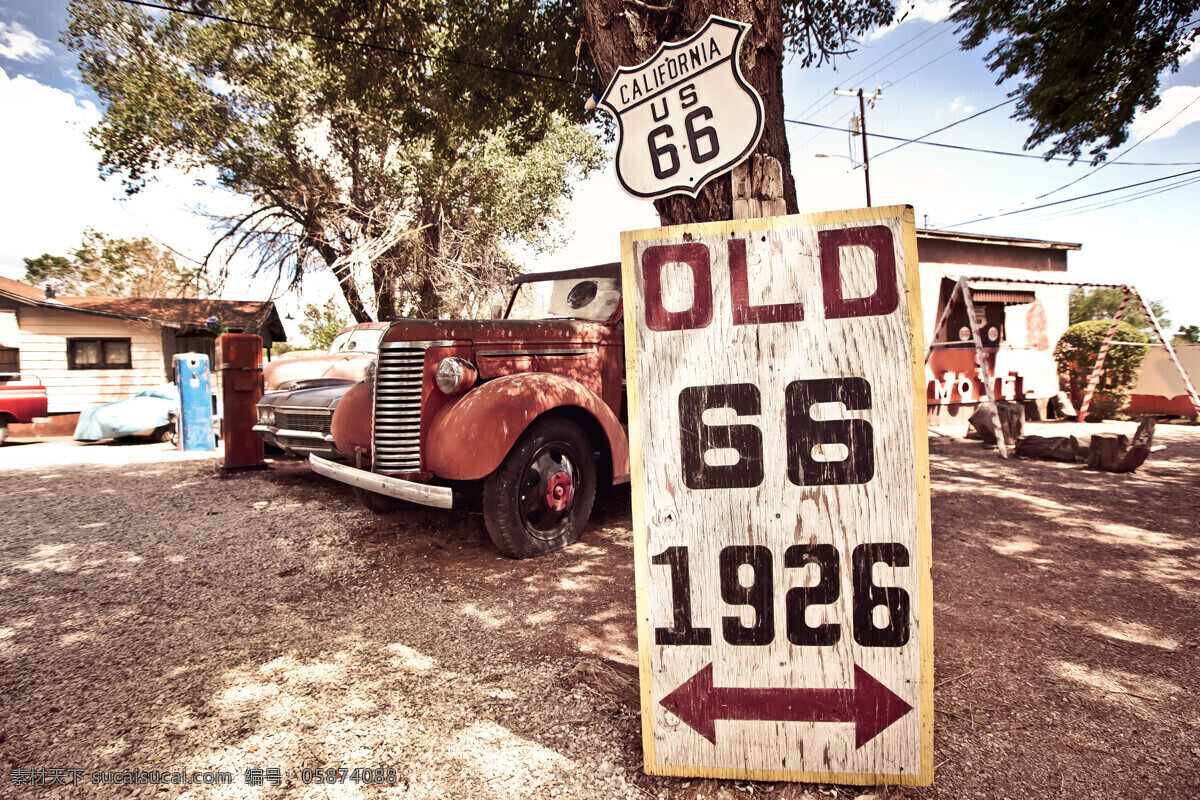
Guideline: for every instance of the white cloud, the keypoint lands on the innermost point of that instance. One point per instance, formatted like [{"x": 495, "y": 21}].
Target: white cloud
[
  {"x": 913, "y": 10},
  {"x": 960, "y": 105},
  {"x": 1178, "y": 109},
  {"x": 52, "y": 189},
  {"x": 21, "y": 44}
]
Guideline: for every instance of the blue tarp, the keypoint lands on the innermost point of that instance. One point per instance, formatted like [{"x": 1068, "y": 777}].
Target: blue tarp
[{"x": 143, "y": 411}]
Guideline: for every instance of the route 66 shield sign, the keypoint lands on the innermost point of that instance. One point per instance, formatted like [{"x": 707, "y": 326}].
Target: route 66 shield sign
[{"x": 686, "y": 115}]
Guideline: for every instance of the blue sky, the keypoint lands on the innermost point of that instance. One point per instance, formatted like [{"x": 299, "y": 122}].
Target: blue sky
[{"x": 1149, "y": 241}]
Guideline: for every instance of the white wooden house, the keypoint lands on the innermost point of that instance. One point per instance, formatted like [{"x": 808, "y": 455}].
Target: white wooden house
[{"x": 90, "y": 350}]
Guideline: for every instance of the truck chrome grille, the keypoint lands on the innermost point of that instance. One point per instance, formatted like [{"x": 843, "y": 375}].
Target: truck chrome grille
[
  {"x": 318, "y": 422},
  {"x": 397, "y": 420}
]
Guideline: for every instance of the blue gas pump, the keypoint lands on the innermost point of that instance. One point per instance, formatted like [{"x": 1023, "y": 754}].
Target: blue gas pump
[{"x": 195, "y": 423}]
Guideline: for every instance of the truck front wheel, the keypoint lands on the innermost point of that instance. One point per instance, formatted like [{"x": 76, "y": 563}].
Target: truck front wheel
[{"x": 540, "y": 497}]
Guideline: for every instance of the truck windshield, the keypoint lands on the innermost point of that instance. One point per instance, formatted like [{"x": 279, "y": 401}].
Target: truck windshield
[
  {"x": 364, "y": 340},
  {"x": 594, "y": 299}
]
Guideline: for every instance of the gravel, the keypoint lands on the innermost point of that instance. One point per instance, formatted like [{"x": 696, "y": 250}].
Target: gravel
[{"x": 154, "y": 617}]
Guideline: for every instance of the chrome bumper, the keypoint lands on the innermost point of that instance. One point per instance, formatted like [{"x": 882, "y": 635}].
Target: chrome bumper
[
  {"x": 420, "y": 493},
  {"x": 324, "y": 438},
  {"x": 296, "y": 442}
]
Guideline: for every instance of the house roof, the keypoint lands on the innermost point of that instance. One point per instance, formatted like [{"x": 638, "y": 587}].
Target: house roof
[
  {"x": 248, "y": 316},
  {"x": 977, "y": 238},
  {"x": 22, "y": 291}
]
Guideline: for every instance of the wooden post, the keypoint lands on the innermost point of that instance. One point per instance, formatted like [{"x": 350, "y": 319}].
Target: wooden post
[{"x": 758, "y": 188}]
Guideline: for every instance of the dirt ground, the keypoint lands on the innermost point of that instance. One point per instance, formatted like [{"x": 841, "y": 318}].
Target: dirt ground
[{"x": 154, "y": 617}]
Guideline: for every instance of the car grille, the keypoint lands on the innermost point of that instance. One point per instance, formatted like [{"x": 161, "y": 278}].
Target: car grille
[
  {"x": 397, "y": 421},
  {"x": 303, "y": 443},
  {"x": 306, "y": 421}
]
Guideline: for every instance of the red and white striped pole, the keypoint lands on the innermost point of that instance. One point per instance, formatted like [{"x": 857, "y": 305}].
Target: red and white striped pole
[{"x": 1094, "y": 380}]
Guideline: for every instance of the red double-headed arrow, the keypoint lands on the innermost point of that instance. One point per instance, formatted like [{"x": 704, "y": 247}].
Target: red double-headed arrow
[{"x": 870, "y": 705}]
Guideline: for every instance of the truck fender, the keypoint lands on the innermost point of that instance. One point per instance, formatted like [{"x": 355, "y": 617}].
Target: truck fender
[
  {"x": 473, "y": 433},
  {"x": 351, "y": 423}
]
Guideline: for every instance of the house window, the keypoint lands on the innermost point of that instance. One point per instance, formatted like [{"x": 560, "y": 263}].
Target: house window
[
  {"x": 98, "y": 354},
  {"x": 10, "y": 363}
]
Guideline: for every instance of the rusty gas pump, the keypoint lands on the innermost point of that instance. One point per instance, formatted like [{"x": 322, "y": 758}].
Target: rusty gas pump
[{"x": 239, "y": 358}]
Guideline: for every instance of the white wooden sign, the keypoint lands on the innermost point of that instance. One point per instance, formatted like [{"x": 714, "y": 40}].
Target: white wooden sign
[
  {"x": 685, "y": 116},
  {"x": 781, "y": 498}
]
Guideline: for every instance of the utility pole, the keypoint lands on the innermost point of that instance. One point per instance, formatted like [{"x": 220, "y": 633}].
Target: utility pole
[{"x": 862, "y": 125}]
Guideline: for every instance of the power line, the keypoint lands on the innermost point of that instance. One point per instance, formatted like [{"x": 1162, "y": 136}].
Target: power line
[
  {"x": 867, "y": 66},
  {"x": 1123, "y": 153},
  {"x": 1109, "y": 203},
  {"x": 1021, "y": 206},
  {"x": 923, "y": 66},
  {"x": 1072, "y": 199},
  {"x": 948, "y": 127},
  {"x": 902, "y": 56},
  {"x": 985, "y": 150},
  {"x": 340, "y": 40}
]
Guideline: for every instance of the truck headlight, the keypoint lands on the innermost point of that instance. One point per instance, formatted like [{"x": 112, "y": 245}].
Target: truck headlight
[
  {"x": 455, "y": 375},
  {"x": 369, "y": 372}
]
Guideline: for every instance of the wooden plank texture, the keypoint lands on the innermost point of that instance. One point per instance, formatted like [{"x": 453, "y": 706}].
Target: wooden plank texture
[
  {"x": 44, "y": 335},
  {"x": 781, "y": 498}
]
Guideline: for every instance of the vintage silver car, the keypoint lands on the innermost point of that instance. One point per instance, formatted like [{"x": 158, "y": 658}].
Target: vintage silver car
[
  {"x": 302, "y": 390},
  {"x": 297, "y": 420},
  {"x": 347, "y": 356}
]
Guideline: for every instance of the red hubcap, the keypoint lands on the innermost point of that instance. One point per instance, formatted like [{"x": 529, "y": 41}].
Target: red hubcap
[{"x": 558, "y": 491}]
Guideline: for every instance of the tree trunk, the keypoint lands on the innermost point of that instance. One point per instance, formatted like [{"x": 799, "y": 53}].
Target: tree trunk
[
  {"x": 346, "y": 283},
  {"x": 383, "y": 276},
  {"x": 1051, "y": 448},
  {"x": 1012, "y": 422},
  {"x": 1113, "y": 452},
  {"x": 1106, "y": 450},
  {"x": 429, "y": 302},
  {"x": 623, "y": 33}
]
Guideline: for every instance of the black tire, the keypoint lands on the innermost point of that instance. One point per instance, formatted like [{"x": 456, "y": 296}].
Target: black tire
[
  {"x": 379, "y": 503},
  {"x": 519, "y": 497}
]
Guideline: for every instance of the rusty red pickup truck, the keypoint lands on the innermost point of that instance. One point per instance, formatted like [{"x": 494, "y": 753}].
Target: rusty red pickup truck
[
  {"x": 20, "y": 402},
  {"x": 525, "y": 414}
]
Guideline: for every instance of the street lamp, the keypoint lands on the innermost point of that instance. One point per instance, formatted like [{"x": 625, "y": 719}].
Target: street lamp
[
  {"x": 834, "y": 155},
  {"x": 856, "y": 166}
]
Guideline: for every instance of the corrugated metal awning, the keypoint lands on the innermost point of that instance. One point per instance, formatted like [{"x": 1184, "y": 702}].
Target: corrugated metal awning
[{"x": 1010, "y": 297}]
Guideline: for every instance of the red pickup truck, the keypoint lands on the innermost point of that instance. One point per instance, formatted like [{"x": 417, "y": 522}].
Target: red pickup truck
[
  {"x": 525, "y": 413},
  {"x": 20, "y": 402}
]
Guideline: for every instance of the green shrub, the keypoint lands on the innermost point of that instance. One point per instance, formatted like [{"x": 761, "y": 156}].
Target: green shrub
[{"x": 1076, "y": 354}]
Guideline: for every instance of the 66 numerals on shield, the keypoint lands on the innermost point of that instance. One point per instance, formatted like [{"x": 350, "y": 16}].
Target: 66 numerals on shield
[
  {"x": 803, "y": 435},
  {"x": 702, "y": 142}
]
